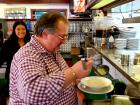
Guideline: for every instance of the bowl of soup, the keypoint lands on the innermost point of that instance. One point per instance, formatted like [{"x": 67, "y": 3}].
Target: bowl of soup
[{"x": 96, "y": 82}]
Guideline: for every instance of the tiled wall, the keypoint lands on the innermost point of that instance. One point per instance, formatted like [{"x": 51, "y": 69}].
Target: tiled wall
[{"x": 77, "y": 32}]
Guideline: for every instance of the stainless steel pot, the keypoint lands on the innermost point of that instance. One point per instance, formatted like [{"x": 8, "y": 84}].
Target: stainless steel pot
[
  {"x": 125, "y": 59},
  {"x": 137, "y": 59}
]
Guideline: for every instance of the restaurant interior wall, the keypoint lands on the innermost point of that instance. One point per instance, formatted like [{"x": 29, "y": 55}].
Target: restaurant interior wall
[
  {"x": 33, "y": 6},
  {"x": 74, "y": 30}
]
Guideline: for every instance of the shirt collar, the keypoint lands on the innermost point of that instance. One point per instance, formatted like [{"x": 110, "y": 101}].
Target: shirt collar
[{"x": 38, "y": 46}]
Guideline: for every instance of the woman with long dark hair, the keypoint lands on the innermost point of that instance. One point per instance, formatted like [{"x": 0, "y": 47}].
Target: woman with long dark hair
[{"x": 19, "y": 37}]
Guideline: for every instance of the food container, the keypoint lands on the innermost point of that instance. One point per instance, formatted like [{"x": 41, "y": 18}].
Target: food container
[{"x": 102, "y": 70}]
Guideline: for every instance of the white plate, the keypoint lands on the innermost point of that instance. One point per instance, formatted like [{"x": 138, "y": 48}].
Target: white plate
[{"x": 87, "y": 90}]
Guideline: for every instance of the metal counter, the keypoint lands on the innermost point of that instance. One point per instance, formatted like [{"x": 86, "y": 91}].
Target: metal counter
[{"x": 131, "y": 72}]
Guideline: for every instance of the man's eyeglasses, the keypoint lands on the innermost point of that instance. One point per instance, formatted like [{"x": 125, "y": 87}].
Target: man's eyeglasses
[{"x": 62, "y": 36}]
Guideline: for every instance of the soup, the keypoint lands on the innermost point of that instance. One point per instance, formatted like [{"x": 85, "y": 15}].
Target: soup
[{"x": 96, "y": 83}]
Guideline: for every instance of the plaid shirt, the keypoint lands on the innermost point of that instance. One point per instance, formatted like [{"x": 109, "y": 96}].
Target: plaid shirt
[{"x": 37, "y": 77}]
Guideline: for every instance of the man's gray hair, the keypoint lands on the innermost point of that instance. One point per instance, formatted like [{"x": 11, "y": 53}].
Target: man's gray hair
[{"x": 48, "y": 22}]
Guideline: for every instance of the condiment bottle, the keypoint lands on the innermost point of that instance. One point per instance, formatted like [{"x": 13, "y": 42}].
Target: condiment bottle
[
  {"x": 111, "y": 42},
  {"x": 103, "y": 42}
]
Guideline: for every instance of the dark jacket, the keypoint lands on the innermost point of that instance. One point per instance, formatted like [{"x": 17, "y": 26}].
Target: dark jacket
[{"x": 8, "y": 49}]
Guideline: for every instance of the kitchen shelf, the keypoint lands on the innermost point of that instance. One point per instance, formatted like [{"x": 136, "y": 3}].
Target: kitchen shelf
[
  {"x": 15, "y": 13},
  {"x": 80, "y": 32},
  {"x": 79, "y": 19}
]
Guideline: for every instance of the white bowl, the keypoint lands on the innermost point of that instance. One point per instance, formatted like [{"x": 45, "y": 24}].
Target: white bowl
[{"x": 96, "y": 82}]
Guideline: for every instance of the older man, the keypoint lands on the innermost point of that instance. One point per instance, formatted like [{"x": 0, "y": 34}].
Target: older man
[{"x": 39, "y": 74}]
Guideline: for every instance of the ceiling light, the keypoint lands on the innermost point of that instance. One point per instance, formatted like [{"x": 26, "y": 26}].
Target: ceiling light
[{"x": 102, "y": 3}]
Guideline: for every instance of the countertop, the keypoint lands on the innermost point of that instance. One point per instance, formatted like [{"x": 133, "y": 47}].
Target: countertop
[{"x": 131, "y": 72}]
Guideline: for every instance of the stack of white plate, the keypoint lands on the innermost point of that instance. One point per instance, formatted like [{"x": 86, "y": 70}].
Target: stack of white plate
[
  {"x": 127, "y": 34},
  {"x": 120, "y": 43},
  {"x": 95, "y": 85},
  {"x": 133, "y": 43}
]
